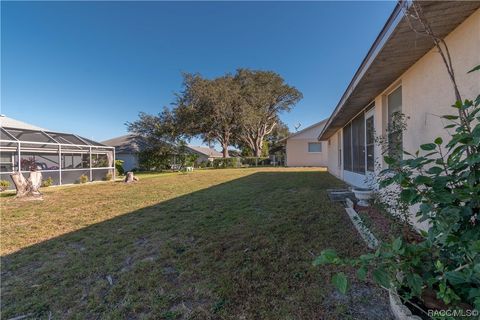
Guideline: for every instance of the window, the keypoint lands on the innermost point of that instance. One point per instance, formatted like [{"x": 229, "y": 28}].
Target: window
[
  {"x": 339, "y": 141},
  {"x": 358, "y": 144},
  {"x": 395, "y": 143},
  {"x": 314, "y": 147},
  {"x": 369, "y": 127},
  {"x": 347, "y": 147}
]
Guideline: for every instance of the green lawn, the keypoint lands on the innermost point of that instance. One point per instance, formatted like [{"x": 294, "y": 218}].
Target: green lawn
[{"x": 213, "y": 244}]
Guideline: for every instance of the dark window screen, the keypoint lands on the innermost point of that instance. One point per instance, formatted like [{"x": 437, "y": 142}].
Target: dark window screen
[
  {"x": 347, "y": 147},
  {"x": 358, "y": 144},
  {"x": 370, "y": 143}
]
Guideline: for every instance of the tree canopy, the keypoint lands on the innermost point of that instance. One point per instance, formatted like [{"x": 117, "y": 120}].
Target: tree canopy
[{"x": 233, "y": 110}]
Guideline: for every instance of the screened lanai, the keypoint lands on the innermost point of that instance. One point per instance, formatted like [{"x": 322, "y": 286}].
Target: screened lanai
[{"x": 63, "y": 157}]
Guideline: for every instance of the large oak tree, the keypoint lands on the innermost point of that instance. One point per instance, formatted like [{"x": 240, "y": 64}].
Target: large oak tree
[
  {"x": 264, "y": 96},
  {"x": 210, "y": 108},
  {"x": 241, "y": 109}
]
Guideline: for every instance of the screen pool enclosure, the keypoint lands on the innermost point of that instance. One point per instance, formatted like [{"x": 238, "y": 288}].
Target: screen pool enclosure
[{"x": 63, "y": 157}]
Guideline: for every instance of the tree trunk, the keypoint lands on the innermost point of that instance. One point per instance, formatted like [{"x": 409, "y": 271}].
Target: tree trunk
[
  {"x": 225, "y": 151},
  {"x": 129, "y": 177},
  {"x": 27, "y": 189},
  {"x": 258, "y": 148}
]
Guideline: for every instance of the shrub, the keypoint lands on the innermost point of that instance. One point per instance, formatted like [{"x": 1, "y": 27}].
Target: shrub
[
  {"x": 47, "y": 182},
  {"x": 255, "y": 161},
  {"x": 83, "y": 179},
  {"x": 226, "y": 162},
  {"x": 4, "y": 184},
  {"x": 108, "y": 177},
  {"x": 443, "y": 181},
  {"x": 119, "y": 167}
]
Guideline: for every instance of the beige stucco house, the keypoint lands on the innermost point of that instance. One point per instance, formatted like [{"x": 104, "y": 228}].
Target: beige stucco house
[
  {"x": 303, "y": 148},
  {"x": 403, "y": 72}
]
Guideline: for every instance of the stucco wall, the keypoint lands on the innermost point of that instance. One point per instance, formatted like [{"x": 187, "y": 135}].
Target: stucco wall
[
  {"x": 297, "y": 148},
  {"x": 427, "y": 90},
  {"x": 332, "y": 155},
  {"x": 298, "y": 155}
]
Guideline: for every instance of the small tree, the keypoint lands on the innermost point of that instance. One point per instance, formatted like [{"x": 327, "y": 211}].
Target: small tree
[{"x": 157, "y": 137}]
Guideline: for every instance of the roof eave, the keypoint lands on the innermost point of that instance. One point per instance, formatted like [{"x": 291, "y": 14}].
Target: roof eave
[{"x": 385, "y": 33}]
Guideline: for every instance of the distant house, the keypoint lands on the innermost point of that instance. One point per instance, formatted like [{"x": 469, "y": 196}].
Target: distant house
[
  {"x": 303, "y": 148},
  {"x": 127, "y": 148},
  {"x": 63, "y": 157},
  {"x": 204, "y": 153}
]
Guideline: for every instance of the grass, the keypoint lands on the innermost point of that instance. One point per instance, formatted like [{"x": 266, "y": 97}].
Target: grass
[{"x": 213, "y": 244}]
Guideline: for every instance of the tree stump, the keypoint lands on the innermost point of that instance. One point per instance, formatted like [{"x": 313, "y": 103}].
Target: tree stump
[
  {"x": 27, "y": 189},
  {"x": 129, "y": 177}
]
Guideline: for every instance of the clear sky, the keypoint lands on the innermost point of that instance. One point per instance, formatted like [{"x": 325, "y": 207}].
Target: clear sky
[{"x": 88, "y": 67}]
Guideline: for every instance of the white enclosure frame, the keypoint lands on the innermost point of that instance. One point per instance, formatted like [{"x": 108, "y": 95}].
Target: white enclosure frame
[{"x": 59, "y": 146}]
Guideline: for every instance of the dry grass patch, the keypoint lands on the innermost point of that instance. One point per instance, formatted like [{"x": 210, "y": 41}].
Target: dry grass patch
[{"x": 215, "y": 244}]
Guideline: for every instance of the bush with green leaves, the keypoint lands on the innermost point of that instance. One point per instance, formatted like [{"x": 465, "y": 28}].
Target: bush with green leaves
[
  {"x": 119, "y": 167},
  {"x": 155, "y": 159},
  {"x": 47, "y": 182},
  {"x": 232, "y": 162},
  {"x": 255, "y": 161},
  {"x": 83, "y": 179},
  {"x": 4, "y": 185},
  {"x": 108, "y": 176},
  {"x": 443, "y": 181}
]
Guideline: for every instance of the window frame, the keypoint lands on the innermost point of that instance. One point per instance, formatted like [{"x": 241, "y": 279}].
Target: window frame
[
  {"x": 388, "y": 122},
  {"x": 314, "y": 143},
  {"x": 370, "y": 114},
  {"x": 353, "y": 167}
]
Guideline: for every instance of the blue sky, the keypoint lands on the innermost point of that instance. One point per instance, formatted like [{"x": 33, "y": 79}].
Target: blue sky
[{"x": 89, "y": 67}]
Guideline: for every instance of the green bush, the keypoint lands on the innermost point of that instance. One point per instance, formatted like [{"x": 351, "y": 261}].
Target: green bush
[
  {"x": 4, "y": 184},
  {"x": 83, "y": 179},
  {"x": 47, "y": 182},
  {"x": 254, "y": 161},
  {"x": 119, "y": 167},
  {"x": 226, "y": 163},
  {"x": 203, "y": 164},
  {"x": 108, "y": 176}
]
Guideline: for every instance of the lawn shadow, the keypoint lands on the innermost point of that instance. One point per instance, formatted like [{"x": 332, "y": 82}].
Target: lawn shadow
[{"x": 238, "y": 250}]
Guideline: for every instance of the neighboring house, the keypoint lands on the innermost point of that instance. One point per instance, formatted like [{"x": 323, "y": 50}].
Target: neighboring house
[
  {"x": 63, "y": 157},
  {"x": 403, "y": 72},
  {"x": 127, "y": 148},
  {"x": 204, "y": 153},
  {"x": 303, "y": 148}
]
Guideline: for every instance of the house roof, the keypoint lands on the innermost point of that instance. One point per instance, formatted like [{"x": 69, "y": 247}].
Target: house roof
[
  {"x": 209, "y": 152},
  {"x": 396, "y": 48},
  {"x": 7, "y": 122},
  {"x": 129, "y": 143},
  {"x": 124, "y": 144},
  {"x": 318, "y": 124}
]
